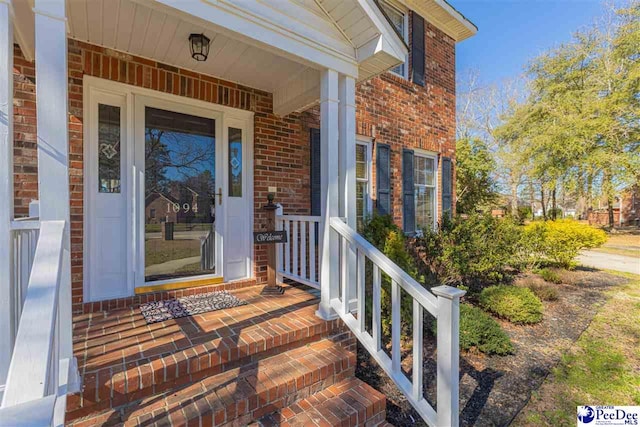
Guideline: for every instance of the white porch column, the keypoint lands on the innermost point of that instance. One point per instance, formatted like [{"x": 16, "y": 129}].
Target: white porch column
[
  {"x": 329, "y": 202},
  {"x": 6, "y": 185},
  {"x": 53, "y": 143},
  {"x": 347, "y": 173}
]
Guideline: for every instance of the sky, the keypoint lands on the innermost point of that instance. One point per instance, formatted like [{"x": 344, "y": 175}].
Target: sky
[{"x": 511, "y": 32}]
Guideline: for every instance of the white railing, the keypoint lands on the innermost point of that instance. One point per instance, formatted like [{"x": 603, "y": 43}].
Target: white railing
[
  {"x": 37, "y": 379},
  {"x": 208, "y": 251},
  {"x": 445, "y": 308},
  {"x": 24, "y": 237},
  {"x": 298, "y": 258}
]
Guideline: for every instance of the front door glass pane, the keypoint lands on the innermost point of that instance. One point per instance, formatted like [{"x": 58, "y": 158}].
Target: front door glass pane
[
  {"x": 108, "y": 149},
  {"x": 179, "y": 195},
  {"x": 235, "y": 162}
]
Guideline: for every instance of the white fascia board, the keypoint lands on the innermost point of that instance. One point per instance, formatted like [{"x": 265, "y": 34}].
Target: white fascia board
[
  {"x": 251, "y": 26},
  {"x": 391, "y": 41},
  {"x": 379, "y": 45}
]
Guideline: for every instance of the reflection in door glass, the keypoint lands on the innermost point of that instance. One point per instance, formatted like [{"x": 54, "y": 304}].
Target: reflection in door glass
[{"x": 179, "y": 195}]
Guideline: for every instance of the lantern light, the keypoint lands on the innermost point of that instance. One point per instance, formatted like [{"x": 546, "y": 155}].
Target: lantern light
[{"x": 199, "y": 45}]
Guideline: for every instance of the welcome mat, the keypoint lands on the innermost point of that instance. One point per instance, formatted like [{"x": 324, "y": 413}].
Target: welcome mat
[{"x": 159, "y": 311}]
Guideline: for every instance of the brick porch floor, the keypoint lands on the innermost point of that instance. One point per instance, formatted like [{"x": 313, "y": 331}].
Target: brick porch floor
[{"x": 271, "y": 361}]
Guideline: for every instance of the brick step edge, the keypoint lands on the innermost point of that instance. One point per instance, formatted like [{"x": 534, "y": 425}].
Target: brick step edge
[
  {"x": 112, "y": 387},
  {"x": 350, "y": 402},
  {"x": 240, "y": 395}
]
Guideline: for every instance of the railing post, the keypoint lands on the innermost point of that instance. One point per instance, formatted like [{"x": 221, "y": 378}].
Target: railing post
[
  {"x": 448, "y": 354},
  {"x": 329, "y": 248},
  {"x": 6, "y": 187}
]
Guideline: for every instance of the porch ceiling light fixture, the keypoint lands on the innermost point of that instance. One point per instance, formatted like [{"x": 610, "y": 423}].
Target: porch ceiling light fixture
[{"x": 199, "y": 45}]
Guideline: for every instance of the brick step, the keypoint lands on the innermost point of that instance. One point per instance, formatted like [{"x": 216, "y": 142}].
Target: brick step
[
  {"x": 240, "y": 395},
  {"x": 124, "y": 359},
  {"x": 350, "y": 402}
]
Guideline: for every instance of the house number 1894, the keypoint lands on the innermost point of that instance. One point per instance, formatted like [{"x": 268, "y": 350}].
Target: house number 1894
[{"x": 186, "y": 207}]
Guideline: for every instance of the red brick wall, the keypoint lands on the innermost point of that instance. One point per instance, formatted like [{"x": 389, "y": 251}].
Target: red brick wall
[
  {"x": 397, "y": 112},
  {"x": 25, "y": 160}
]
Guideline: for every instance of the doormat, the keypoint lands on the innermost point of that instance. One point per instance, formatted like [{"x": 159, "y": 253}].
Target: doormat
[{"x": 159, "y": 311}]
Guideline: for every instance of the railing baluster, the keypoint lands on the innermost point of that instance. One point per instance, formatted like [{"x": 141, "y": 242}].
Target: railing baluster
[
  {"x": 396, "y": 302},
  {"x": 312, "y": 252},
  {"x": 376, "y": 307},
  {"x": 343, "y": 275},
  {"x": 294, "y": 237},
  {"x": 287, "y": 248},
  {"x": 418, "y": 350},
  {"x": 360, "y": 265},
  {"x": 303, "y": 249},
  {"x": 279, "y": 248}
]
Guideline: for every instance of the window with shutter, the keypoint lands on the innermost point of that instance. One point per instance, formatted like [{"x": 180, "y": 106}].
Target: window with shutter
[
  {"x": 383, "y": 179},
  {"x": 408, "y": 196},
  {"x": 316, "y": 189}
]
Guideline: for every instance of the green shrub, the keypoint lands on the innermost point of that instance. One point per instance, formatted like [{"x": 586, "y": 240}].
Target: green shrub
[
  {"x": 479, "y": 330},
  {"x": 550, "y": 275},
  {"x": 516, "y": 304},
  {"x": 382, "y": 232},
  {"x": 561, "y": 241},
  {"x": 543, "y": 291},
  {"x": 475, "y": 251}
]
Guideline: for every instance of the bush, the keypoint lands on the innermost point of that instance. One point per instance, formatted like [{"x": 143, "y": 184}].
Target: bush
[
  {"x": 474, "y": 252},
  {"x": 382, "y": 232},
  {"x": 550, "y": 275},
  {"x": 561, "y": 241},
  {"x": 543, "y": 291},
  {"x": 479, "y": 330},
  {"x": 516, "y": 304}
]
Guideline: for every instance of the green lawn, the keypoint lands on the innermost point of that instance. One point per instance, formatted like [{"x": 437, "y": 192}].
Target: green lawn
[
  {"x": 601, "y": 368},
  {"x": 158, "y": 251}
]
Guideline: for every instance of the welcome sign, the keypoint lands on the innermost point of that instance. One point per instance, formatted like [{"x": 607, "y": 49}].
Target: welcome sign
[{"x": 269, "y": 237}]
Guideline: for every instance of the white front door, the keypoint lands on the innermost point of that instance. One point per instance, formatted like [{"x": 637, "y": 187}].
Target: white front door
[
  {"x": 106, "y": 188},
  {"x": 169, "y": 190}
]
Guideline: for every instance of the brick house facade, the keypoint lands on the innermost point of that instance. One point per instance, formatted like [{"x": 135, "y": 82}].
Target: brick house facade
[{"x": 390, "y": 110}]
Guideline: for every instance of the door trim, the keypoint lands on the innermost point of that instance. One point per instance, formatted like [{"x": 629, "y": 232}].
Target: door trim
[{"x": 179, "y": 103}]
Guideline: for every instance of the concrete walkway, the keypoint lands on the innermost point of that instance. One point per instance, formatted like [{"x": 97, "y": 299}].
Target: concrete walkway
[
  {"x": 170, "y": 266},
  {"x": 604, "y": 261}
]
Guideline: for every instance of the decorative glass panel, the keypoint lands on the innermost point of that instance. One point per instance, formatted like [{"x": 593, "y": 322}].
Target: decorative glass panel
[
  {"x": 108, "y": 149},
  {"x": 179, "y": 195},
  {"x": 235, "y": 162}
]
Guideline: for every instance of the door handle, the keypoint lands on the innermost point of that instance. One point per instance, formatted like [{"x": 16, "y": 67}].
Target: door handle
[{"x": 219, "y": 194}]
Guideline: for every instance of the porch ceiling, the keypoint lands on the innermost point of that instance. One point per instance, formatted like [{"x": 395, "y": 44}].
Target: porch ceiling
[{"x": 279, "y": 47}]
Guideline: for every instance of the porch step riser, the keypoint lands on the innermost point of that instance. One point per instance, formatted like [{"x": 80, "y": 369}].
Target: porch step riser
[
  {"x": 176, "y": 370},
  {"x": 241, "y": 395},
  {"x": 348, "y": 403}
]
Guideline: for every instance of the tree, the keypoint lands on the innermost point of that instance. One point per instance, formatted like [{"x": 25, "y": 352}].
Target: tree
[{"x": 475, "y": 187}]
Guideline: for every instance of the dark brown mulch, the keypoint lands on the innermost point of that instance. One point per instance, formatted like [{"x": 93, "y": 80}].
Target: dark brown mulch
[{"x": 493, "y": 389}]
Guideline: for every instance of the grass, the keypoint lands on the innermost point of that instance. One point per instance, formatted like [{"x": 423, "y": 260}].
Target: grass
[
  {"x": 600, "y": 368},
  {"x": 158, "y": 251},
  {"x": 627, "y": 244}
]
